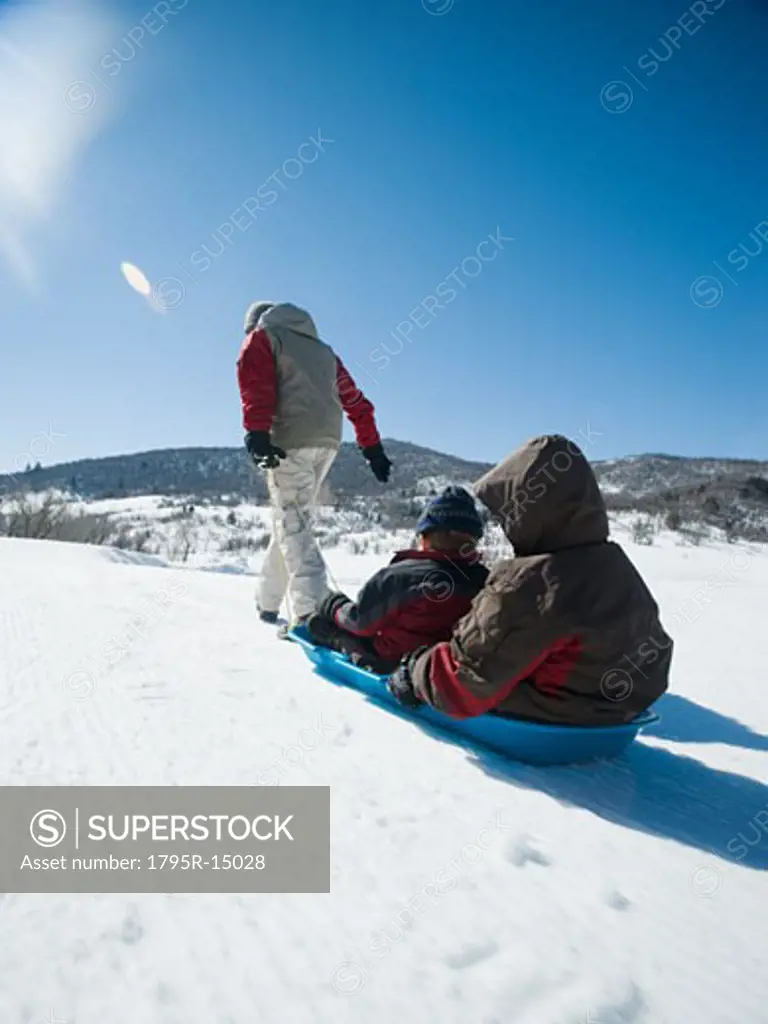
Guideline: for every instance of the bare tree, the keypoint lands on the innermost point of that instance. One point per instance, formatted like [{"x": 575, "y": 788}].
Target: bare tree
[
  {"x": 54, "y": 519},
  {"x": 643, "y": 531}
]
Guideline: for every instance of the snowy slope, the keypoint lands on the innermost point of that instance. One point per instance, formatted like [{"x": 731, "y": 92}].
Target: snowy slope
[{"x": 465, "y": 890}]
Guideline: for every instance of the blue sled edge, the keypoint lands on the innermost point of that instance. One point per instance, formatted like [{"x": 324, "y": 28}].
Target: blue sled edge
[{"x": 529, "y": 742}]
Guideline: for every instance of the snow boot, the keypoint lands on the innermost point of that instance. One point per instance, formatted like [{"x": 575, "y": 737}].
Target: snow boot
[
  {"x": 300, "y": 623},
  {"x": 271, "y": 618}
]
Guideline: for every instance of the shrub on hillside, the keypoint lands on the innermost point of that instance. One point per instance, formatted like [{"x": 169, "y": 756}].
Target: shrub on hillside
[
  {"x": 246, "y": 542},
  {"x": 53, "y": 519},
  {"x": 128, "y": 538},
  {"x": 643, "y": 531}
]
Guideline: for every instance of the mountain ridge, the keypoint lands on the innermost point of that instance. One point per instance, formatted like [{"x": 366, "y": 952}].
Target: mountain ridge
[
  {"x": 208, "y": 471},
  {"x": 681, "y": 492},
  {"x": 211, "y": 470}
]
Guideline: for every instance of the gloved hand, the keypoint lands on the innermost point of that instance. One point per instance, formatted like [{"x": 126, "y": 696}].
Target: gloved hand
[
  {"x": 380, "y": 464},
  {"x": 322, "y": 631},
  {"x": 264, "y": 454},
  {"x": 331, "y": 604},
  {"x": 400, "y": 685}
]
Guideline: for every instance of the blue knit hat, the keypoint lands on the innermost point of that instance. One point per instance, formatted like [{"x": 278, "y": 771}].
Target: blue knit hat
[{"x": 454, "y": 509}]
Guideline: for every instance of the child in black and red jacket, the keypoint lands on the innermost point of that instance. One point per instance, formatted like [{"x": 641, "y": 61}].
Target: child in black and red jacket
[{"x": 418, "y": 598}]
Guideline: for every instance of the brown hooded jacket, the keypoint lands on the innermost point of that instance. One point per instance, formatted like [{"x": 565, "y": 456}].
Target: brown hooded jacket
[{"x": 566, "y": 631}]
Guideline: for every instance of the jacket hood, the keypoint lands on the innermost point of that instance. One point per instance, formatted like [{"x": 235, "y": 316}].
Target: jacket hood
[
  {"x": 545, "y": 497},
  {"x": 254, "y": 313},
  {"x": 285, "y": 316}
]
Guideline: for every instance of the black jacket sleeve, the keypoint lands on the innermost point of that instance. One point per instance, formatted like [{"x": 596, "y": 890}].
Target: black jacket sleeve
[{"x": 380, "y": 598}]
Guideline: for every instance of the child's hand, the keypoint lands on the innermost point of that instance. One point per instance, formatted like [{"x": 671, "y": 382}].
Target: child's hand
[
  {"x": 331, "y": 604},
  {"x": 400, "y": 686}
]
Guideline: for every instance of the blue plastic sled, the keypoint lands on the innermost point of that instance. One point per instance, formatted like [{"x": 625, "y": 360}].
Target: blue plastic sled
[{"x": 529, "y": 742}]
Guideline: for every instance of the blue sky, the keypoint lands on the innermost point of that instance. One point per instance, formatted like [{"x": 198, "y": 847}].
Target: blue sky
[{"x": 617, "y": 154}]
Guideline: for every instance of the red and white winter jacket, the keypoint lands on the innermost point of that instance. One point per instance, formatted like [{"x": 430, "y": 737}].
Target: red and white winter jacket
[{"x": 295, "y": 386}]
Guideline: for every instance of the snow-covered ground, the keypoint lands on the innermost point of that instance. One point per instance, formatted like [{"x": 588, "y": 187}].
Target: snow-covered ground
[
  {"x": 211, "y": 535},
  {"x": 227, "y": 535},
  {"x": 629, "y": 891}
]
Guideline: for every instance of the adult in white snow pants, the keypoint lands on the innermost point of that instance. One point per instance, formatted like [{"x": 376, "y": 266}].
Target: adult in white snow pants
[
  {"x": 293, "y": 555},
  {"x": 293, "y": 389}
]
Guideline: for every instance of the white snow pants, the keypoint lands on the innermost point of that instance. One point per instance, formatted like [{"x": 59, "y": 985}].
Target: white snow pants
[{"x": 293, "y": 564}]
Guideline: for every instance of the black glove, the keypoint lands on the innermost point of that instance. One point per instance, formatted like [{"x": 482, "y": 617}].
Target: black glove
[
  {"x": 400, "y": 685},
  {"x": 380, "y": 464},
  {"x": 265, "y": 454},
  {"x": 331, "y": 604},
  {"x": 322, "y": 631}
]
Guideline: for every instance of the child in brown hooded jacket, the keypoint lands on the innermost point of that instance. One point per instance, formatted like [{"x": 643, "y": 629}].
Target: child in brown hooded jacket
[{"x": 564, "y": 632}]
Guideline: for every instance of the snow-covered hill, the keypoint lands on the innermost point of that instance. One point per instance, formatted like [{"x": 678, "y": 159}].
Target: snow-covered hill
[
  {"x": 210, "y": 535},
  {"x": 723, "y": 494},
  {"x": 630, "y": 891},
  {"x": 639, "y": 476},
  {"x": 213, "y": 472}
]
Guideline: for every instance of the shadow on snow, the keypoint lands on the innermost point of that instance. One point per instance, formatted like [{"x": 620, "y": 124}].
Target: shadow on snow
[
  {"x": 650, "y": 789},
  {"x": 688, "y": 722}
]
